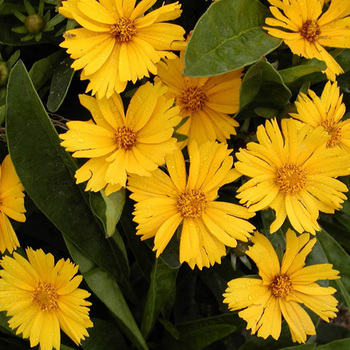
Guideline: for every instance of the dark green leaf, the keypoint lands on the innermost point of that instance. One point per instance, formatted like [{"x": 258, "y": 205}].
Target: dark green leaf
[
  {"x": 227, "y": 37},
  {"x": 47, "y": 171},
  {"x": 263, "y": 85},
  {"x": 343, "y": 344},
  {"x": 163, "y": 281},
  {"x": 61, "y": 79},
  {"x": 300, "y": 347},
  {"x": 41, "y": 70},
  {"x": 107, "y": 290},
  {"x": 337, "y": 256},
  {"x": 104, "y": 335}
]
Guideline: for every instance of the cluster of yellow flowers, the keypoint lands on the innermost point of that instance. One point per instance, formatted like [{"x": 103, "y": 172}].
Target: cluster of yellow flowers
[{"x": 292, "y": 169}]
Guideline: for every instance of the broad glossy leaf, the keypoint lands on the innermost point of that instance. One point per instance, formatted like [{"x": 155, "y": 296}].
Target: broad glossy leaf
[
  {"x": 61, "y": 79},
  {"x": 197, "y": 335},
  {"x": 264, "y": 86},
  {"x": 343, "y": 344},
  {"x": 107, "y": 290},
  {"x": 227, "y": 37},
  {"x": 47, "y": 171},
  {"x": 163, "y": 282}
]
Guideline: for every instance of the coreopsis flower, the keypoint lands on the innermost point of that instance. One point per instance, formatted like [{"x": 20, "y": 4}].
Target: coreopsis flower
[
  {"x": 293, "y": 173},
  {"x": 306, "y": 30},
  {"x": 206, "y": 101},
  {"x": 119, "y": 143},
  {"x": 119, "y": 42},
  {"x": 42, "y": 297},
  {"x": 281, "y": 289},
  {"x": 167, "y": 202},
  {"x": 325, "y": 111},
  {"x": 11, "y": 205}
]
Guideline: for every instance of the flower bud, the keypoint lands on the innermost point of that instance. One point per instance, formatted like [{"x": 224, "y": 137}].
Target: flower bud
[
  {"x": 4, "y": 73},
  {"x": 34, "y": 23}
]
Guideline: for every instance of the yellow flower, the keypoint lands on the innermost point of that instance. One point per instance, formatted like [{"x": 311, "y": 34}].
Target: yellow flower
[
  {"x": 120, "y": 144},
  {"x": 206, "y": 101},
  {"x": 325, "y": 111},
  {"x": 166, "y": 202},
  {"x": 306, "y": 30},
  {"x": 118, "y": 41},
  {"x": 11, "y": 205},
  {"x": 41, "y": 297},
  {"x": 293, "y": 173},
  {"x": 281, "y": 288}
]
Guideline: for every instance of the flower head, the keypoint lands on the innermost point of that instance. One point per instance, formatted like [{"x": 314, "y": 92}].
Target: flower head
[
  {"x": 41, "y": 297},
  {"x": 118, "y": 41},
  {"x": 120, "y": 144},
  {"x": 281, "y": 289},
  {"x": 166, "y": 202},
  {"x": 306, "y": 30},
  {"x": 325, "y": 111},
  {"x": 293, "y": 173},
  {"x": 11, "y": 205},
  {"x": 206, "y": 101}
]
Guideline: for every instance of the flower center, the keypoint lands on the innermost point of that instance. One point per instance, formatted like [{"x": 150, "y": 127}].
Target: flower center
[
  {"x": 290, "y": 179},
  {"x": 193, "y": 98},
  {"x": 191, "y": 204},
  {"x": 281, "y": 286},
  {"x": 310, "y": 31},
  {"x": 123, "y": 30},
  {"x": 333, "y": 132},
  {"x": 124, "y": 137},
  {"x": 45, "y": 296}
]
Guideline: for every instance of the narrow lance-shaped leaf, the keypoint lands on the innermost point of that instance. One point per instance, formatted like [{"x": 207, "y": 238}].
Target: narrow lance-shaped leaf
[{"x": 227, "y": 37}]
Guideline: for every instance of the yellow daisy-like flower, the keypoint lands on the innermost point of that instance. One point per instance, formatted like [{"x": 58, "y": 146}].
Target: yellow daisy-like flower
[
  {"x": 306, "y": 30},
  {"x": 293, "y": 173},
  {"x": 166, "y": 202},
  {"x": 41, "y": 297},
  {"x": 206, "y": 101},
  {"x": 118, "y": 41},
  {"x": 281, "y": 288},
  {"x": 11, "y": 205},
  {"x": 325, "y": 111},
  {"x": 120, "y": 144}
]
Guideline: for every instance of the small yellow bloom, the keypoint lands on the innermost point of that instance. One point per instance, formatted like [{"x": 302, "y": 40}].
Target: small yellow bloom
[
  {"x": 11, "y": 205},
  {"x": 306, "y": 30},
  {"x": 120, "y": 144},
  {"x": 281, "y": 288},
  {"x": 166, "y": 202},
  {"x": 118, "y": 41},
  {"x": 206, "y": 101},
  {"x": 293, "y": 173},
  {"x": 41, "y": 297},
  {"x": 325, "y": 111}
]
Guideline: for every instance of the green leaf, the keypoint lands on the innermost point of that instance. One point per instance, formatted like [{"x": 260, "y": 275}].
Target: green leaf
[
  {"x": 227, "y": 37},
  {"x": 196, "y": 335},
  {"x": 163, "y": 282},
  {"x": 47, "y": 171},
  {"x": 343, "y": 344},
  {"x": 337, "y": 256},
  {"x": 61, "y": 79},
  {"x": 107, "y": 290},
  {"x": 104, "y": 335},
  {"x": 41, "y": 70},
  {"x": 263, "y": 85}
]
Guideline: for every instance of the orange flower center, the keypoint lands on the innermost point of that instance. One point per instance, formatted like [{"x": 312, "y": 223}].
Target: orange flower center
[
  {"x": 123, "y": 30},
  {"x": 333, "y": 132},
  {"x": 290, "y": 179},
  {"x": 193, "y": 99},
  {"x": 124, "y": 137},
  {"x": 191, "y": 204},
  {"x": 310, "y": 31},
  {"x": 281, "y": 286},
  {"x": 45, "y": 296}
]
